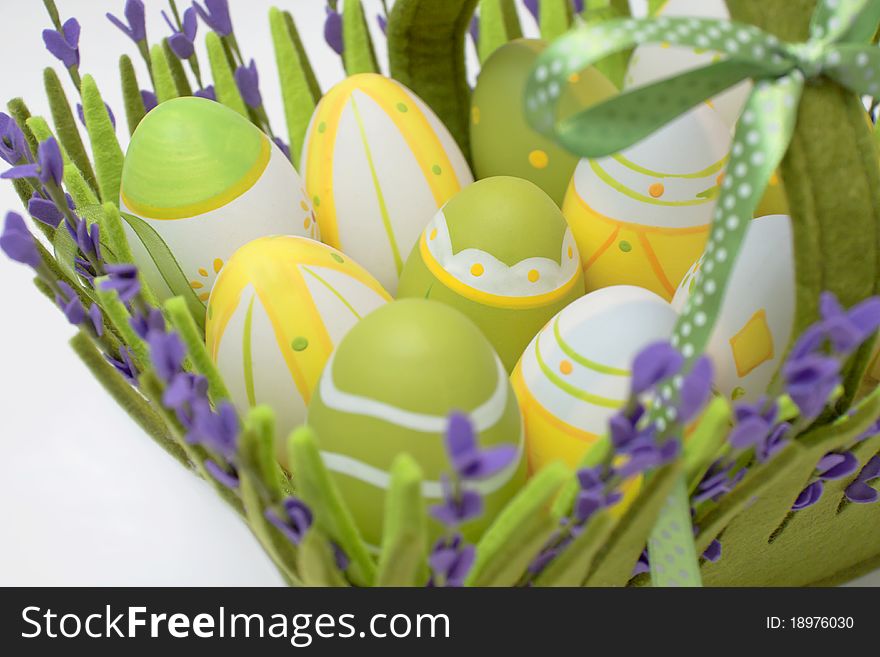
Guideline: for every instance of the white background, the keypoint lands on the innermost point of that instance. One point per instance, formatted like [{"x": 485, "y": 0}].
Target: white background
[{"x": 85, "y": 497}]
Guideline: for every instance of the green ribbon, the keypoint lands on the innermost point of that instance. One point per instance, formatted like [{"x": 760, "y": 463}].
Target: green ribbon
[{"x": 838, "y": 48}]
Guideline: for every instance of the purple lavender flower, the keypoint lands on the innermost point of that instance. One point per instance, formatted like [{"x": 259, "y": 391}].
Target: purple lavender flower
[
  {"x": 642, "y": 565},
  {"x": 142, "y": 324},
  {"x": 217, "y": 430},
  {"x": 808, "y": 496},
  {"x": 624, "y": 427},
  {"x": 474, "y": 29},
  {"x": 13, "y": 146},
  {"x": 647, "y": 455},
  {"x": 847, "y": 330},
  {"x": 655, "y": 363},
  {"x": 534, "y": 7},
  {"x": 228, "y": 479},
  {"x": 247, "y": 78},
  {"x": 835, "y": 465},
  {"x": 296, "y": 521},
  {"x": 207, "y": 93},
  {"x": 45, "y": 211},
  {"x": 713, "y": 552},
  {"x": 810, "y": 380},
  {"x": 451, "y": 560},
  {"x": 136, "y": 26},
  {"x": 49, "y": 167},
  {"x": 717, "y": 482},
  {"x": 81, "y": 114},
  {"x": 18, "y": 243},
  {"x": 215, "y": 13},
  {"x": 124, "y": 365},
  {"x": 124, "y": 279},
  {"x": 149, "y": 99},
  {"x": 469, "y": 461},
  {"x": 182, "y": 41},
  {"x": 695, "y": 390},
  {"x": 97, "y": 319},
  {"x": 775, "y": 441},
  {"x": 457, "y": 509},
  {"x": 860, "y": 491},
  {"x": 333, "y": 31},
  {"x": 70, "y": 305},
  {"x": 383, "y": 23},
  {"x": 284, "y": 147},
  {"x": 87, "y": 238},
  {"x": 64, "y": 45},
  {"x": 167, "y": 353},
  {"x": 185, "y": 389}
]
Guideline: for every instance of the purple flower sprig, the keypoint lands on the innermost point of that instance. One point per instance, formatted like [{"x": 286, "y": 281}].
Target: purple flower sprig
[
  {"x": 63, "y": 44},
  {"x": 215, "y": 14},
  {"x": 451, "y": 558},
  {"x": 333, "y": 30},
  {"x": 834, "y": 465},
  {"x": 135, "y": 28},
  {"x": 183, "y": 36},
  {"x": 14, "y": 148},
  {"x": 863, "y": 489}
]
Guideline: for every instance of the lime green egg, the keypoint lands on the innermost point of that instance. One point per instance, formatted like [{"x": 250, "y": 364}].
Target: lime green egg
[
  {"x": 206, "y": 181},
  {"x": 388, "y": 389},
  {"x": 500, "y": 252},
  {"x": 502, "y": 141}
]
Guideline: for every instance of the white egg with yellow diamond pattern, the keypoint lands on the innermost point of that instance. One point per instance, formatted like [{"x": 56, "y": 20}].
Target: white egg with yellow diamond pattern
[
  {"x": 278, "y": 309},
  {"x": 378, "y": 164},
  {"x": 757, "y": 314}
]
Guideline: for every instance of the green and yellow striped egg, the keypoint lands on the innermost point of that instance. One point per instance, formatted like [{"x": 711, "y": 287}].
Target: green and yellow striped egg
[
  {"x": 207, "y": 181},
  {"x": 389, "y": 388},
  {"x": 502, "y": 141},
  {"x": 642, "y": 217},
  {"x": 575, "y": 374},
  {"x": 378, "y": 163},
  {"x": 278, "y": 309},
  {"x": 501, "y": 253}
]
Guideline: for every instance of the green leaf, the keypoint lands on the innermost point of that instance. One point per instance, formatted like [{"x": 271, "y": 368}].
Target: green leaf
[
  {"x": 296, "y": 90},
  {"x": 165, "y": 88},
  {"x": 316, "y": 488},
  {"x": 426, "y": 53},
  {"x": 80, "y": 191},
  {"x": 194, "y": 338},
  {"x": 105, "y": 147},
  {"x": 131, "y": 94},
  {"x": 358, "y": 56},
  {"x": 128, "y": 398},
  {"x": 67, "y": 127},
  {"x": 498, "y": 25},
  {"x": 702, "y": 448},
  {"x": 167, "y": 265},
  {"x": 517, "y": 535},
  {"x": 317, "y": 563},
  {"x": 571, "y": 566},
  {"x": 224, "y": 79},
  {"x": 555, "y": 18},
  {"x": 404, "y": 539},
  {"x": 178, "y": 74},
  {"x": 20, "y": 112}
]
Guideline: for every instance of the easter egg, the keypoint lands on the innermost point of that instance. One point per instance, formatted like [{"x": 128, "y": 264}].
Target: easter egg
[
  {"x": 642, "y": 217},
  {"x": 501, "y": 252},
  {"x": 378, "y": 163},
  {"x": 757, "y": 314},
  {"x": 575, "y": 375},
  {"x": 388, "y": 389},
  {"x": 207, "y": 181},
  {"x": 653, "y": 62},
  {"x": 502, "y": 141},
  {"x": 279, "y": 307}
]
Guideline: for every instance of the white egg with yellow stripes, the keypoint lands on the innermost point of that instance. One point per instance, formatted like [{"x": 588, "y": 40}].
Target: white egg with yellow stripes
[
  {"x": 756, "y": 318},
  {"x": 378, "y": 164},
  {"x": 641, "y": 217},
  {"x": 278, "y": 309},
  {"x": 575, "y": 374}
]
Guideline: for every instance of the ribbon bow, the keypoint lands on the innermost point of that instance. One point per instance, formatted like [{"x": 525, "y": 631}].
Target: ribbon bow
[{"x": 838, "y": 48}]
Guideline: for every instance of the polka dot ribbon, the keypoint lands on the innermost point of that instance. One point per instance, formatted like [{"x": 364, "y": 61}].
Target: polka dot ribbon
[{"x": 838, "y": 48}]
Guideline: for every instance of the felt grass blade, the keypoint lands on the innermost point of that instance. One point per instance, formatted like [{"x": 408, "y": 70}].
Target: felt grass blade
[
  {"x": 113, "y": 235},
  {"x": 194, "y": 339},
  {"x": 165, "y": 88},
  {"x": 66, "y": 252},
  {"x": 105, "y": 146},
  {"x": 80, "y": 191},
  {"x": 167, "y": 265},
  {"x": 704, "y": 444},
  {"x": 296, "y": 89},
  {"x": 66, "y": 126},
  {"x": 42, "y": 132},
  {"x": 499, "y": 24},
  {"x": 128, "y": 398},
  {"x": 120, "y": 318},
  {"x": 316, "y": 488},
  {"x": 262, "y": 459},
  {"x": 23, "y": 190},
  {"x": 426, "y": 53},
  {"x": 555, "y": 18},
  {"x": 520, "y": 531},
  {"x": 404, "y": 536},
  {"x": 613, "y": 67},
  {"x": 19, "y": 111},
  {"x": 178, "y": 74},
  {"x": 317, "y": 563},
  {"x": 571, "y": 566},
  {"x": 358, "y": 56},
  {"x": 224, "y": 80},
  {"x": 135, "y": 111},
  {"x": 311, "y": 78}
]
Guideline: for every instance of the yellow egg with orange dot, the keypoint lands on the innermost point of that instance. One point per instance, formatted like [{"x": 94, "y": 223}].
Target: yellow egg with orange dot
[
  {"x": 502, "y": 141},
  {"x": 500, "y": 252},
  {"x": 378, "y": 164},
  {"x": 205, "y": 181},
  {"x": 278, "y": 309},
  {"x": 575, "y": 374}
]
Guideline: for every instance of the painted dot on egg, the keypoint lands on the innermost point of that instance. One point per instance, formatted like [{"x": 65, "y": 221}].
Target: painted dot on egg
[
  {"x": 570, "y": 253},
  {"x": 539, "y": 159},
  {"x": 338, "y": 258},
  {"x": 300, "y": 344},
  {"x": 402, "y": 108},
  {"x": 322, "y": 127},
  {"x": 477, "y": 269},
  {"x": 534, "y": 276},
  {"x": 475, "y": 115},
  {"x": 656, "y": 190},
  {"x": 203, "y": 271},
  {"x": 625, "y": 246},
  {"x": 566, "y": 367},
  {"x": 317, "y": 201},
  {"x": 306, "y": 222},
  {"x": 574, "y": 78},
  {"x": 436, "y": 169},
  {"x": 218, "y": 265},
  {"x": 304, "y": 206}
]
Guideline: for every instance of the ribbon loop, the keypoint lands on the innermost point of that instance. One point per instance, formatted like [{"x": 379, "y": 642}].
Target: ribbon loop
[{"x": 810, "y": 57}]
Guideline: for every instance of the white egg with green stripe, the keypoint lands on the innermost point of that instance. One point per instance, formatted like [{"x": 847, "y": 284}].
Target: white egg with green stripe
[
  {"x": 389, "y": 388},
  {"x": 575, "y": 375},
  {"x": 277, "y": 311},
  {"x": 378, "y": 164}
]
